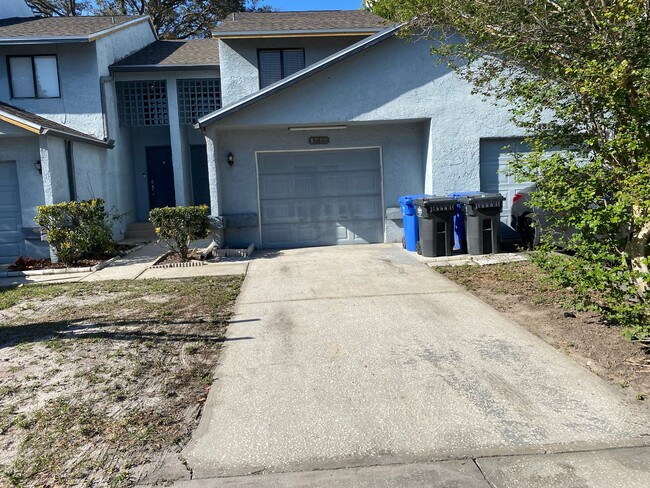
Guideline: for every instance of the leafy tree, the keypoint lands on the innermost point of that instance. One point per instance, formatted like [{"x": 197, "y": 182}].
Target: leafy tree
[
  {"x": 576, "y": 74},
  {"x": 59, "y": 8}
]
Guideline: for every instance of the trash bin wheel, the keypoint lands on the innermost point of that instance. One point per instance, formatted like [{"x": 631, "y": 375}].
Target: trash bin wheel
[
  {"x": 418, "y": 248},
  {"x": 403, "y": 242}
]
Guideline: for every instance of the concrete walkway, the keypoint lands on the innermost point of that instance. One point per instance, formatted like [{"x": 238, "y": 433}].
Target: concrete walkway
[
  {"x": 136, "y": 265},
  {"x": 363, "y": 367}
]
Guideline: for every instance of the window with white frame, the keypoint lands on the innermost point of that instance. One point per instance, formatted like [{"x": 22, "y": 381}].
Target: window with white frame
[
  {"x": 275, "y": 64},
  {"x": 34, "y": 76}
]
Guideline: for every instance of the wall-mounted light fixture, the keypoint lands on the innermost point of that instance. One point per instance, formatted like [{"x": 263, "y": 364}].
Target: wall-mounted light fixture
[
  {"x": 38, "y": 166},
  {"x": 231, "y": 159}
]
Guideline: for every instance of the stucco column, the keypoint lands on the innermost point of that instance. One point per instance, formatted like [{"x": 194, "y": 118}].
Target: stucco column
[
  {"x": 213, "y": 171},
  {"x": 180, "y": 150},
  {"x": 55, "y": 170}
]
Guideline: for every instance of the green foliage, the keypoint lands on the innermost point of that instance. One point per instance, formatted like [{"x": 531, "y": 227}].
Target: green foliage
[
  {"x": 576, "y": 76},
  {"x": 179, "y": 226},
  {"x": 77, "y": 230}
]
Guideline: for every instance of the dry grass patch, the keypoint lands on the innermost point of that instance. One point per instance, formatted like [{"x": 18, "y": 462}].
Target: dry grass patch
[{"x": 100, "y": 381}]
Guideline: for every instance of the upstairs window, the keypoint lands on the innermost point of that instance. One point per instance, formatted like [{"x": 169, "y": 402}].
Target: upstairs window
[
  {"x": 197, "y": 98},
  {"x": 142, "y": 103},
  {"x": 275, "y": 64},
  {"x": 34, "y": 77}
]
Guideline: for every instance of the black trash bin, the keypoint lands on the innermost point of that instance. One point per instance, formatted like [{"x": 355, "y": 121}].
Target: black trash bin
[
  {"x": 436, "y": 222},
  {"x": 483, "y": 222}
]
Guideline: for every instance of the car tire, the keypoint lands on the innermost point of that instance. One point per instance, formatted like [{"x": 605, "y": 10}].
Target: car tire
[{"x": 530, "y": 231}]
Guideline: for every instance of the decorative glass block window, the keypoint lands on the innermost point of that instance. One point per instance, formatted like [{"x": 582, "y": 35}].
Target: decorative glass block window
[
  {"x": 275, "y": 64},
  {"x": 142, "y": 103},
  {"x": 34, "y": 77},
  {"x": 197, "y": 98}
]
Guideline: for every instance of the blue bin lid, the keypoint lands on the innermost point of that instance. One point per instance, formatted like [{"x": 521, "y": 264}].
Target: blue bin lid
[
  {"x": 408, "y": 199},
  {"x": 459, "y": 194}
]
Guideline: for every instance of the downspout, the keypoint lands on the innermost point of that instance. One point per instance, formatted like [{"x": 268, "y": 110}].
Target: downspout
[{"x": 69, "y": 161}]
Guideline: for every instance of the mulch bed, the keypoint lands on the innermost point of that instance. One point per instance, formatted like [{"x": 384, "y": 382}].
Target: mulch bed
[{"x": 29, "y": 264}]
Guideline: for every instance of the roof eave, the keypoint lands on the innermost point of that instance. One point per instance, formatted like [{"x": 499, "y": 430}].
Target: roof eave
[
  {"x": 163, "y": 67},
  {"x": 39, "y": 129},
  {"x": 295, "y": 33},
  {"x": 44, "y": 40},
  {"x": 109, "y": 144},
  {"x": 346, "y": 53}
]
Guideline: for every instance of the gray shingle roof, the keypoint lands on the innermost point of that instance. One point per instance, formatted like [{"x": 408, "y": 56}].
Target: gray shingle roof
[
  {"x": 77, "y": 28},
  {"x": 243, "y": 23},
  {"x": 202, "y": 53},
  {"x": 16, "y": 116}
]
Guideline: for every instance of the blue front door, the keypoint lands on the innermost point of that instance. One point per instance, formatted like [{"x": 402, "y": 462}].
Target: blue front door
[{"x": 160, "y": 172}]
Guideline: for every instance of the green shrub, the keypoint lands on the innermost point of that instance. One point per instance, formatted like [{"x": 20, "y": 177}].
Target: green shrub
[
  {"x": 77, "y": 230},
  {"x": 179, "y": 226}
]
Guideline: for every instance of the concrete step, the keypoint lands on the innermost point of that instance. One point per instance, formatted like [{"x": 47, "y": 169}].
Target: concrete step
[
  {"x": 139, "y": 226},
  {"x": 141, "y": 231}
]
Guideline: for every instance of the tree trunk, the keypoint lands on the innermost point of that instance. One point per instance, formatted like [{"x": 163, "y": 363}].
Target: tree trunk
[{"x": 636, "y": 249}]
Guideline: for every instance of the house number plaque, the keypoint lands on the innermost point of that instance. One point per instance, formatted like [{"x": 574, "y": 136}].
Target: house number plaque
[{"x": 319, "y": 140}]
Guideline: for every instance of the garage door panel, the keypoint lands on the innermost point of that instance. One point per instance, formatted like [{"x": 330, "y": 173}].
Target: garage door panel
[
  {"x": 289, "y": 211},
  {"x": 321, "y": 234},
  {"x": 320, "y": 198},
  {"x": 10, "y": 214}
]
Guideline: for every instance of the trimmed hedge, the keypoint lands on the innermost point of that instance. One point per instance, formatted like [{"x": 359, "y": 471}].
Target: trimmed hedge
[
  {"x": 179, "y": 226},
  {"x": 77, "y": 230}
]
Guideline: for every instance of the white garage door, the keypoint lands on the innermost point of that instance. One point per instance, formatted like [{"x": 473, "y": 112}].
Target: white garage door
[
  {"x": 495, "y": 156},
  {"x": 320, "y": 198},
  {"x": 10, "y": 217}
]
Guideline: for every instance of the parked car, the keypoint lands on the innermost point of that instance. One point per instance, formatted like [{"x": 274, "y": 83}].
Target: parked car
[{"x": 530, "y": 221}]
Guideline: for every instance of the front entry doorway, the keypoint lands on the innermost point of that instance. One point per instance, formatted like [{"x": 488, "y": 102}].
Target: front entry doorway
[{"x": 160, "y": 173}]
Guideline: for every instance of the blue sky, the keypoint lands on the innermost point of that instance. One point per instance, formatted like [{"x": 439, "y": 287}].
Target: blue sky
[{"x": 313, "y": 4}]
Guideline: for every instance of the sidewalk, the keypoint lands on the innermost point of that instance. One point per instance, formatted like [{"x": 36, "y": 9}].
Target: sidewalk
[{"x": 136, "y": 265}]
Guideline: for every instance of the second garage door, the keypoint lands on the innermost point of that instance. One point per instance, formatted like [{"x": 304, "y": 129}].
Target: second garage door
[
  {"x": 10, "y": 216},
  {"x": 496, "y": 154},
  {"x": 319, "y": 198}
]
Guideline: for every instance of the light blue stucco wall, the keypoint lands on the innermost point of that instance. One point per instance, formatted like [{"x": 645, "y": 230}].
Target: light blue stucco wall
[
  {"x": 391, "y": 83},
  {"x": 99, "y": 172},
  {"x": 238, "y": 60},
  {"x": 24, "y": 150},
  {"x": 79, "y": 106},
  {"x": 138, "y": 138},
  {"x": 402, "y": 155}
]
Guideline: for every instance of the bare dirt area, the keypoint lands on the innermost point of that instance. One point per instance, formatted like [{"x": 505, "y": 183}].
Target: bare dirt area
[
  {"x": 100, "y": 382},
  {"x": 525, "y": 294}
]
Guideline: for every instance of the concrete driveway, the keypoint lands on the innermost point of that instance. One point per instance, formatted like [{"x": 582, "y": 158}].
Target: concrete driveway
[{"x": 362, "y": 356}]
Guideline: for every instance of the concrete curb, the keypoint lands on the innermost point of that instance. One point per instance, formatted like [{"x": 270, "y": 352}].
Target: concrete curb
[{"x": 61, "y": 271}]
